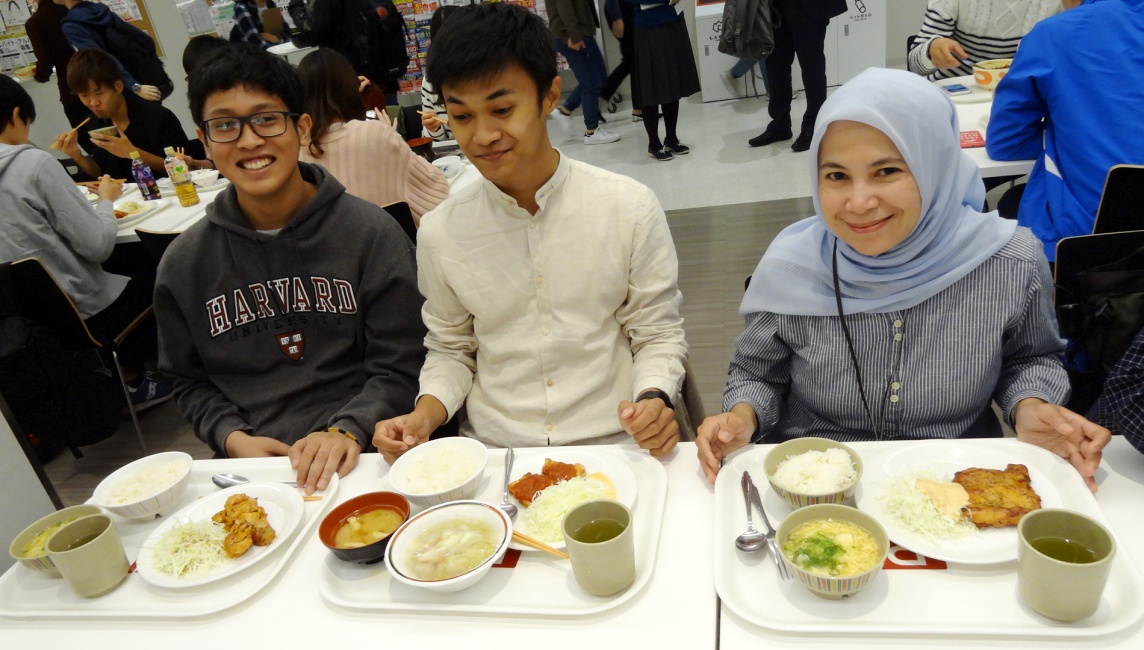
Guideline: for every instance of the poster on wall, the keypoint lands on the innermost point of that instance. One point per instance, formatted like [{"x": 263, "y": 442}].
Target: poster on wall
[
  {"x": 14, "y": 13},
  {"x": 126, "y": 9},
  {"x": 196, "y": 16},
  {"x": 222, "y": 16}
]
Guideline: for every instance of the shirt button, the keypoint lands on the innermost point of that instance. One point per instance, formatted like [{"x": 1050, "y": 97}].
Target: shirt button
[
  {"x": 548, "y": 428},
  {"x": 539, "y": 279},
  {"x": 550, "y": 382},
  {"x": 894, "y": 398},
  {"x": 895, "y": 385},
  {"x": 897, "y": 323},
  {"x": 897, "y": 337},
  {"x": 546, "y": 331},
  {"x": 532, "y": 224}
]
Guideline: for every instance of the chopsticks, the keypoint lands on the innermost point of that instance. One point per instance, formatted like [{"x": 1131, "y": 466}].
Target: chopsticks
[
  {"x": 442, "y": 117},
  {"x": 312, "y": 497},
  {"x": 537, "y": 544},
  {"x": 85, "y": 121},
  {"x": 119, "y": 181}
]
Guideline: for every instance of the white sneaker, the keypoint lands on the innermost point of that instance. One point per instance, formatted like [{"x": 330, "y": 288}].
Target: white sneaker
[{"x": 600, "y": 136}]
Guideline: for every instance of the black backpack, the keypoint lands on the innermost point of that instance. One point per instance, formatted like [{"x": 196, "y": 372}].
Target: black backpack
[
  {"x": 380, "y": 47},
  {"x": 135, "y": 49},
  {"x": 748, "y": 29}
]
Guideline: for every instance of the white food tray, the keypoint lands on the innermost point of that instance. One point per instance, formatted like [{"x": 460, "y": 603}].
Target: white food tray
[
  {"x": 960, "y": 601},
  {"x": 540, "y": 584},
  {"x": 27, "y": 594}
]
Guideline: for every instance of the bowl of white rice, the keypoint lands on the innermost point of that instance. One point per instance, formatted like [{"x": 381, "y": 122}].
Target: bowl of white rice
[
  {"x": 440, "y": 471},
  {"x": 806, "y": 471},
  {"x": 149, "y": 486}
]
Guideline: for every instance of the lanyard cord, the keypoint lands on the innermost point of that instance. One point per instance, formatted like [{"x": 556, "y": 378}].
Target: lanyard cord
[{"x": 850, "y": 346}]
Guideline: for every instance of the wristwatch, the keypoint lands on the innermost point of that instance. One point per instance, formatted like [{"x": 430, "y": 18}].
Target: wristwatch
[
  {"x": 654, "y": 393},
  {"x": 136, "y": 87}
]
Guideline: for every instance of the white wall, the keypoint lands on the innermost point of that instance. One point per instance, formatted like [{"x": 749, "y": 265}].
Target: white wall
[
  {"x": 903, "y": 19},
  {"x": 25, "y": 499}
]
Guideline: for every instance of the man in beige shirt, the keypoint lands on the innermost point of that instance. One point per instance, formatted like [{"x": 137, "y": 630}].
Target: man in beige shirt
[{"x": 551, "y": 290}]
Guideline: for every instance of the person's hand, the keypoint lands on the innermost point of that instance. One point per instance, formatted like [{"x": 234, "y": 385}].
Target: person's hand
[
  {"x": 362, "y": 84},
  {"x": 1062, "y": 432},
  {"x": 270, "y": 38},
  {"x": 395, "y": 436},
  {"x": 578, "y": 45},
  {"x": 68, "y": 144},
  {"x": 946, "y": 53},
  {"x": 319, "y": 455},
  {"x": 722, "y": 434},
  {"x": 651, "y": 423},
  {"x": 115, "y": 145},
  {"x": 108, "y": 189},
  {"x": 383, "y": 116},
  {"x": 618, "y": 28},
  {"x": 430, "y": 121},
  {"x": 150, "y": 93},
  {"x": 240, "y": 444}
]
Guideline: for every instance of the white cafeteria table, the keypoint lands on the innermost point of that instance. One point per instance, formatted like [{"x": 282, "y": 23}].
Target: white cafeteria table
[
  {"x": 1120, "y": 496},
  {"x": 974, "y": 116},
  {"x": 677, "y": 609},
  {"x": 175, "y": 218}
]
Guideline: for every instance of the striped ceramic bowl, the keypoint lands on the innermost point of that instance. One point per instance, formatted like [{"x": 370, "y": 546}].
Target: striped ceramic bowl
[
  {"x": 432, "y": 458},
  {"x": 163, "y": 500},
  {"x": 39, "y": 561},
  {"x": 798, "y": 446},
  {"x": 828, "y": 586}
]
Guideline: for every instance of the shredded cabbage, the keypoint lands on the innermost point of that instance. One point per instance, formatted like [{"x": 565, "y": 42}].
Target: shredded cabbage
[
  {"x": 190, "y": 549},
  {"x": 902, "y": 499},
  {"x": 543, "y": 517}
]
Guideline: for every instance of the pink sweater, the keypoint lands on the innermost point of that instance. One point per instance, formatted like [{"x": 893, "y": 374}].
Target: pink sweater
[{"x": 374, "y": 163}]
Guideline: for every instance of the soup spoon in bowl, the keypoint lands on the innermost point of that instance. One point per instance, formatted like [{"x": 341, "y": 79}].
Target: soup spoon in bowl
[{"x": 751, "y": 539}]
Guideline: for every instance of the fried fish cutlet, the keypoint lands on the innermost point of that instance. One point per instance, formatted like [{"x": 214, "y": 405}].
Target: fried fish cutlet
[
  {"x": 998, "y": 498},
  {"x": 562, "y": 471}
]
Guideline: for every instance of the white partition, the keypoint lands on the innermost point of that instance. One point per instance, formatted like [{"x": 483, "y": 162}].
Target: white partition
[{"x": 25, "y": 498}]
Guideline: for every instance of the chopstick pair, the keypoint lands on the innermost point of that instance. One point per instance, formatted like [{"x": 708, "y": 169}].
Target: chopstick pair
[
  {"x": 532, "y": 542},
  {"x": 119, "y": 181},
  {"x": 444, "y": 118},
  {"x": 55, "y": 145}
]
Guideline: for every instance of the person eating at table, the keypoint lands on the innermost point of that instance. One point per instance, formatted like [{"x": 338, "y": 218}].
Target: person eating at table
[
  {"x": 143, "y": 126},
  {"x": 551, "y": 288},
  {"x": 289, "y": 315},
  {"x": 900, "y": 311}
]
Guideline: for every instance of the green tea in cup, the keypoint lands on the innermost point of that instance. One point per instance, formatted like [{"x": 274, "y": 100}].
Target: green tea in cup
[{"x": 598, "y": 530}]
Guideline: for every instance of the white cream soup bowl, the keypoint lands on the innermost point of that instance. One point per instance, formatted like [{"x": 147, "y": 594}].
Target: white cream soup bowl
[{"x": 398, "y": 555}]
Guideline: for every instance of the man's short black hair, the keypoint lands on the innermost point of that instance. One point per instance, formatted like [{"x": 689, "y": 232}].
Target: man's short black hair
[
  {"x": 13, "y": 96},
  {"x": 198, "y": 47},
  {"x": 91, "y": 66},
  {"x": 247, "y": 65},
  {"x": 480, "y": 42}
]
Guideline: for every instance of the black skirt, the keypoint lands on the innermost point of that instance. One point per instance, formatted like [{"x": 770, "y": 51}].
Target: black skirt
[{"x": 664, "y": 69}]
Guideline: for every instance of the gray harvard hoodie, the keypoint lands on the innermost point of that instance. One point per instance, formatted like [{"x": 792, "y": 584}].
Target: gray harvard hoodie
[{"x": 282, "y": 335}]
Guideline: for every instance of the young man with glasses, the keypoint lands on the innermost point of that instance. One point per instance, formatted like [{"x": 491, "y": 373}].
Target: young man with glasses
[{"x": 290, "y": 315}]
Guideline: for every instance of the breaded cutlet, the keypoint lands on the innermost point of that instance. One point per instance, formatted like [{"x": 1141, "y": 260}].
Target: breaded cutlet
[{"x": 998, "y": 498}]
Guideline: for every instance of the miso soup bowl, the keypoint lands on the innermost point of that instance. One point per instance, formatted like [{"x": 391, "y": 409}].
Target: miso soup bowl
[
  {"x": 398, "y": 555},
  {"x": 355, "y": 507},
  {"x": 41, "y": 561},
  {"x": 826, "y": 586},
  {"x": 988, "y": 74},
  {"x": 798, "y": 446}
]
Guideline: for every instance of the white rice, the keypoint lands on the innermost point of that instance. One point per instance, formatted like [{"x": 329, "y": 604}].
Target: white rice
[
  {"x": 444, "y": 469},
  {"x": 146, "y": 482},
  {"x": 816, "y": 472}
]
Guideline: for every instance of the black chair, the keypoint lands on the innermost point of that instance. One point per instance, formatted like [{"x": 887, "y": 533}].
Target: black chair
[
  {"x": 42, "y": 300},
  {"x": 404, "y": 216},
  {"x": 1122, "y": 201},
  {"x": 155, "y": 243}
]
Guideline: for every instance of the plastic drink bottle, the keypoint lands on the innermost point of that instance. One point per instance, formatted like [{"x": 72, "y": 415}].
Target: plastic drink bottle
[
  {"x": 142, "y": 174},
  {"x": 181, "y": 178}
]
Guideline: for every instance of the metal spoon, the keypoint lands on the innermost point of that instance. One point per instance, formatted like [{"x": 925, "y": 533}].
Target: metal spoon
[
  {"x": 230, "y": 480},
  {"x": 506, "y": 505},
  {"x": 751, "y": 539}
]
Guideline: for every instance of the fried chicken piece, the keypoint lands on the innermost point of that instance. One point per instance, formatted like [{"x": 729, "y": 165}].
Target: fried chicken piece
[
  {"x": 562, "y": 471},
  {"x": 246, "y": 525},
  {"x": 998, "y": 498},
  {"x": 263, "y": 533},
  {"x": 238, "y": 540},
  {"x": 525, "y": 488}
]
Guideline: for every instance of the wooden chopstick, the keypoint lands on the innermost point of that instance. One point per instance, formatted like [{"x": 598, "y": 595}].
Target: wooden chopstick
[
  {"x": 85, "y": 121},
  {"x": 444, "y": 117},
  {"x": 532, "y": 542},
  {"x": 119, "y": 181},
  {"x": 312, "y": 497}
]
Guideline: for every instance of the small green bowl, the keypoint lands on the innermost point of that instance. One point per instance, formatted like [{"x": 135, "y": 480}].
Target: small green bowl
[
  {"x": 829, "y": 587},
  {"x": 42, "y": 562},
  {"x": 800, "y": 446}
]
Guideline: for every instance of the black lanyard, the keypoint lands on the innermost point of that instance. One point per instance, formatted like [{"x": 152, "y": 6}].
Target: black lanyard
[{"x": 850, "y": 346}]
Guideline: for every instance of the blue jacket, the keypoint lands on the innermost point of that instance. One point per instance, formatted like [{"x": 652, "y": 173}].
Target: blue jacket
[
  {"x": 1072, "y": 101},
  {"x": 85, "y": 26}
]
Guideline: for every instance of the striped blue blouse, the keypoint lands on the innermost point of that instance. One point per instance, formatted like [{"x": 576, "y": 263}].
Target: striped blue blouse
[{"x": 929, "y": 371}]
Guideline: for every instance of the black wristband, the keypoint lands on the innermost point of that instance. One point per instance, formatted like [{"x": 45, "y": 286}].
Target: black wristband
[{"x": 656, "y": 393}]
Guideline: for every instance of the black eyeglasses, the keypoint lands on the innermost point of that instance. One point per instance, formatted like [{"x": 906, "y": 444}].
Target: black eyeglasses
[{"x": 229, "y": 129}]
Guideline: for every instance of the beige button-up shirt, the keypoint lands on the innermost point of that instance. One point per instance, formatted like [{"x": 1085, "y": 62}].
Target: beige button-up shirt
[{"x": 543, "y": 323}]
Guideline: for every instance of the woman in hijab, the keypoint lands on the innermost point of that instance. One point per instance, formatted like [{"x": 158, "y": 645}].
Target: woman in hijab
[{"x": 900, "y": 311}]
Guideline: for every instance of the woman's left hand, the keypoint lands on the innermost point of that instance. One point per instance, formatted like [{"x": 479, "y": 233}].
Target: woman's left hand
[{"x": 1062, "y": 432}]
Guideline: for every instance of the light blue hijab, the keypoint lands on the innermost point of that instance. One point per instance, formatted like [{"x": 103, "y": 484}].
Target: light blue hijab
[{"x": 952, "y": 236}]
